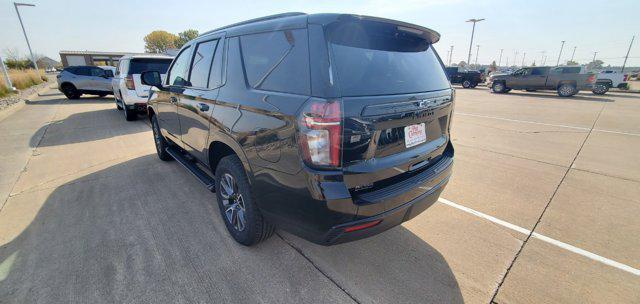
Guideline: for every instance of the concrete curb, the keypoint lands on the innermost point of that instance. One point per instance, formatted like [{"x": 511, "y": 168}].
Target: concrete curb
[{"x": 18, "y": 105}]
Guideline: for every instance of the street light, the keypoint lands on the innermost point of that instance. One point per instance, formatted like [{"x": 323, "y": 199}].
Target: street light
[
  {"x": 472, "y": 32},
  {"x": 33, "y": 58},
  {"x": 477, "y": 51},
  {"x": 561, "y": 47}
]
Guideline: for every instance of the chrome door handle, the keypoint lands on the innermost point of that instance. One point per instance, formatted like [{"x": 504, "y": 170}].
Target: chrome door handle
[
  {"x": 174, "y": 99},
  {"x": 203, "y": 107}
]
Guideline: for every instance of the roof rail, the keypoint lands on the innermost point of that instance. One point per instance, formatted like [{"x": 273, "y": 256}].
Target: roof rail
[{"x": 265, "y": 18}]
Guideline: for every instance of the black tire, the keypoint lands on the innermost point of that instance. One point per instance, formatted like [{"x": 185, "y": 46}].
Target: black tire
[
  {"x": 102, "y": 95},
  {"x": 255, "y": 228},
  {"x": 567, "y": 90},
  {"x": 118, "y": 106},
  {"x": 159, "y": 140},
  {"x": 466, "y": 84},
  {"x": 474, "y": 84},
  {"x": 600, "y": 88},
  {"x": 70, "y": 91},
  {"x": 129, "y": 115},
  {"x": 530, "y": 90},
  {"x": 498, "y": 87}
]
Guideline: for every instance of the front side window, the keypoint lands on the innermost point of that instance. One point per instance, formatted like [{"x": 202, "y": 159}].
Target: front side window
[
  {"x": 178, "y": 72},
  {"x": 98, "y": 72},
  {"x": 202, "y": 59},
  {"x": 277, "y": 61}
]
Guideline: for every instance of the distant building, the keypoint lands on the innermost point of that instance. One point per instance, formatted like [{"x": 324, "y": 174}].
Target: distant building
[{"x": 73, "y": 58}]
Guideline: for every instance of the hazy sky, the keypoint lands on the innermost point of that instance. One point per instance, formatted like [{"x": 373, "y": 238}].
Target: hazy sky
[{"x": 525, "y": 26}]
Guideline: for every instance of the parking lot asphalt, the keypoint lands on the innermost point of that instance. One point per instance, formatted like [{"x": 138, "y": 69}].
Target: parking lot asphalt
[{"x": 542, "y": 207}]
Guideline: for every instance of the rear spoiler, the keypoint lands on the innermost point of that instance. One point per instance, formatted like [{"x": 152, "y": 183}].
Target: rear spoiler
[{"x": 428, "y": 34}]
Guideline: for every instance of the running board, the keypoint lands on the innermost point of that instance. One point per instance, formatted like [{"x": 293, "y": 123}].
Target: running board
[{"x": 202, "y": 176}]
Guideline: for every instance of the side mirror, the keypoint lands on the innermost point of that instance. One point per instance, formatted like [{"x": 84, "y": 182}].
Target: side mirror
[{"x": 151, "y": 78}]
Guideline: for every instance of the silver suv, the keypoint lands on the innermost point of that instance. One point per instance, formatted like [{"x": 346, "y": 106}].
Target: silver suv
[{"x": 77, "y": 80}]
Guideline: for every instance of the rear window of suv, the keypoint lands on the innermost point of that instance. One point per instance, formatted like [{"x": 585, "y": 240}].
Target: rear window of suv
[
  {"x": 137, "y": 66},
  {"x": 377, "y": 58}
]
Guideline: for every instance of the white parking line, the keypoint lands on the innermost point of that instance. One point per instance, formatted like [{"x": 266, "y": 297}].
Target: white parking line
[
  {"x": 544, "y": 238},
  {"x": 545, "y": 124}
]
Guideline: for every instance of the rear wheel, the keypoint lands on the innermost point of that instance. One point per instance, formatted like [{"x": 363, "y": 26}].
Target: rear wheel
[
  {"x": 239, "y": 212},
  {"x": 466, "y": 84},
  {"x": 600, "y": 88},
  {"x": 498, "y": 87},
  {"x": 70, "y": 91},
  {"x": 567, "y": 90},
  {"x": 474, "y": 84},
  {"x": 160, "y": 141}
]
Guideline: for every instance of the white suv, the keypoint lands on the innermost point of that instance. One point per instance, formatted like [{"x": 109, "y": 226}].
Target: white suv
[{"x": 130, "y": 94}]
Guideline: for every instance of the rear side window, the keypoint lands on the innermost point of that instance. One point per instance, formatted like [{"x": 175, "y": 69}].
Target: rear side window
[
  {"x": 377, "y": 58},
  {"x": 139, "y": 65},
  {"x": 202, "y": 59},
  {"x": 277, "y": 61},
  {"x": 538, "y": 71}
]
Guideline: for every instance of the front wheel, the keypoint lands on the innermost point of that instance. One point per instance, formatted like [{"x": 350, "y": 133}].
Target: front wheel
[
  {"x": 498, "y": 87},
  {"x": 466, "y": 84},
  {"x": 600, "y": 88},
  {"x": 160, "y": 141},
  {"x": 567, "y": 90},
  {"x": 239, "y": 212}
]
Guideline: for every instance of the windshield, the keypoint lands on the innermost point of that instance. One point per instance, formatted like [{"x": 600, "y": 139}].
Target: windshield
[
  {"x": 138, "y": 66},
  {"x": 375, "y": 58}
]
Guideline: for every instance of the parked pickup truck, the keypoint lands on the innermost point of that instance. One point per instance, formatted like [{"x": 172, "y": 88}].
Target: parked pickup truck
[
  {"x": 468, "y": 79},
  {"x": 610, "y": 79},
  {"x": 566, "y": 83}
]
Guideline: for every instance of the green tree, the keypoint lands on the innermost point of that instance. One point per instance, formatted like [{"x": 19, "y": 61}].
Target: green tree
[
  {"x": 185, "y": 36},
  {"x": 571, "y": 62},
  {"x": 493, "y": 66},
  {"x": 159, "y": 41},
  {"x": 462, "y": 64},
  {"x": 594, "y": 65}
]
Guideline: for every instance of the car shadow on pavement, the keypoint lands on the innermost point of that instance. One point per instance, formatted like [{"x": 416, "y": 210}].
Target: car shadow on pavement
[
  {"x": 555, "y": 96},
  {"x": 86, "y": 126},
  {"x": 59, "y": 98},
  {"x": 146, "y": 231}
]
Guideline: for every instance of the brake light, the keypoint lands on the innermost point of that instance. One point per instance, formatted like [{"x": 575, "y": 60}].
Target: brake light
[
  {"x": 320, "y": 135},
  {"x": 129, "y": 83},
  {"x": 591, "y": 78},
  {"x": 362, "y": 226}
]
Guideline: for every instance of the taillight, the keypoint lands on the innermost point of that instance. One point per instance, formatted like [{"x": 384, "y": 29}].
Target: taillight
[
  {"x": 624, "y": 78},
  {"x": 591, "y": 78},
  {"x": 129, "y": 83},
  {"x": 320, "y": 135}
]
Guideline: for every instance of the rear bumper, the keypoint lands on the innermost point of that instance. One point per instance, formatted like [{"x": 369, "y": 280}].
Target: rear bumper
[{"x": 319, "y": 207}]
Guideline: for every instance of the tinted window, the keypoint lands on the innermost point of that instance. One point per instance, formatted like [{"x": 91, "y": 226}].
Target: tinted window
[
  {"x": 97, "y": 72},
  {"x": 277, "y": 61},
  {"x": 137, "y": 66},
  {"x": 83, "y": 71},
  {"x": 538, "y": 71},
  {"x": 375, "y": 58},
  {"x": 215, "y": 79},
  {"x": 571, "y": 70},
  {"x": 202, "y": 58},
  {"x": 178, "y": 72}
]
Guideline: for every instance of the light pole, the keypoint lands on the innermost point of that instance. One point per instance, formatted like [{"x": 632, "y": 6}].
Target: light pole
[
  {"x": 594, "y": 57},
  {"x": 561, "y": 47},
  {"x": 472, "y": 33},
  {"x": 477, "y": 52},
  {"x": 574, "y": 52},
  {"x": 627, "y": 56},
  {"x": 542, "y": 57},
  {"x": 523, "y": 55},
  {"x": 450, "y": 55},
  {"x": 33, "y": 58},
  {"x": 500, "y": 60},
  {"x": 6, "y": 75},
  {"x": 515, "y": 58}
]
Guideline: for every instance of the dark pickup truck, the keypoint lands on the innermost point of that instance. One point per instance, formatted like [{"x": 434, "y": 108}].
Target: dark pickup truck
[
  {"x": 566, "y": 83},
  {"x": 468, "y": 79}
]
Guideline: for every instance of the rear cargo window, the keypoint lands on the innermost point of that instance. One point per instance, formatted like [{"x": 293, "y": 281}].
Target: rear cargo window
[
  {"x": 137, "y": 66},
  {"x": 277, "y": 61},
  {"x": 376, "y": 58}
]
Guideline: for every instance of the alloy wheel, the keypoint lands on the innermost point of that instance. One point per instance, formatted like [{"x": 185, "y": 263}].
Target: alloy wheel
[{"x": 234, "y": 209}]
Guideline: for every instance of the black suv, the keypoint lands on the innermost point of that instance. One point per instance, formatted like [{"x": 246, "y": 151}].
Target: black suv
[
  {"x": 332, "y": 127},
  {"x": 468, "y": 79}
]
